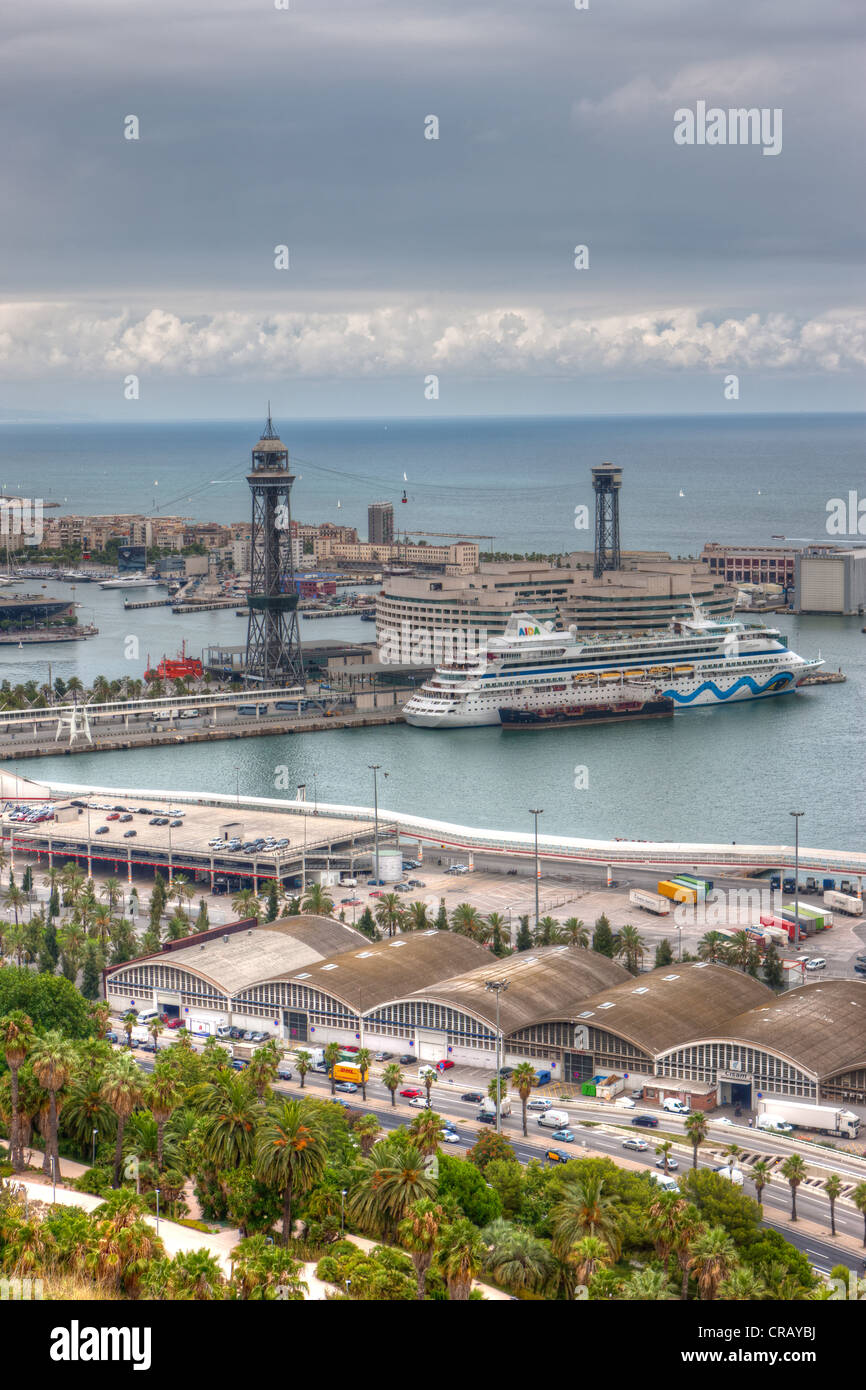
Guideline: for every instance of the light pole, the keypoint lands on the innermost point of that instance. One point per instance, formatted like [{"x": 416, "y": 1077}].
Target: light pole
[
  {"x": 93, "y": 1150},
  {"x": 498, "y": 986},
  {"x": 797, "y": 815},
  {"x": 53, "y": 1180},
  {"x": 374, "y": 768},
  {"x": 157, "y": 1211},
  {"x": 536, "y": 814},
  {"x": 342, "y": 1211}
]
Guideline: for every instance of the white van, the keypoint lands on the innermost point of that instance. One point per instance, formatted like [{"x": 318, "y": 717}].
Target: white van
[
  {"x": 223, "y": 1030},
  {"x": 554, "y": 1119},
  {"x": 147, "y": 1016},
  {"x": 674, "y": 1106},
  {"x": 666, "y": 1182}
]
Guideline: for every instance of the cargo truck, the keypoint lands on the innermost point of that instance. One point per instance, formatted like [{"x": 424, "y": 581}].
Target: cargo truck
[
  {"x": 650, "y": 902},
  {"x": 781, "y": 929},
  {"x": 488, "y": 1107},
  {"x": 844, "y": 903},
  {"x": 344, "y": 1072},
  {"x": 824, "y": 1119},
  {"x": 677, "y": 892},
  {"x": 808, "y": 914}
]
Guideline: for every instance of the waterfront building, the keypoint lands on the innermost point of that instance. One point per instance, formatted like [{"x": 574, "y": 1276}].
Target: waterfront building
[{"x": 828, "y": 579}]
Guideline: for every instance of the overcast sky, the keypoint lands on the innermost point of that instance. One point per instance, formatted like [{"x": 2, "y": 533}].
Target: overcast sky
[{"x": 408, "y": 256}]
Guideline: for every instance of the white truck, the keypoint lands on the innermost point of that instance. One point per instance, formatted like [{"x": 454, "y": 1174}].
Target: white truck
[
  {"x": 650, "y": 902},
  {"x": 488, "y": 1106},
  {"x": 824, "y": 1119},
  {"x": 843, "y": 902}
]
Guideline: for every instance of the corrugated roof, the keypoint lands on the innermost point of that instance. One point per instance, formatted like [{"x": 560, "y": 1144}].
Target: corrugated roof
[
  {"x": 671, "y": 1006},
  {"x": 383, "y": 971},
  {"x": 267, "y": 952},
  {"x": 821, "y": 1027},
  {"x": 544, "y": 984}
]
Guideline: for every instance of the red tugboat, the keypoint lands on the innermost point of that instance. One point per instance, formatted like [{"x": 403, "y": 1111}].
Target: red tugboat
[{"x": 181, "y": 667}]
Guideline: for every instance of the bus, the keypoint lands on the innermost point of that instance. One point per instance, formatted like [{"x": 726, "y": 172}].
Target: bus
[{"x": 251, "y": 710}]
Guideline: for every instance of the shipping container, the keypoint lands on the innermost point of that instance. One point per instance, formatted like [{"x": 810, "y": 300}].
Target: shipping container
[
  {"x": 705, "y": 883},
  {"x": 692, "y": 884},
  {"x": 677, "y": 892},
  {"x": 819, "y": 918},
  {"x": 344, "y": 1072},
  {"x": 843, "y": 902}
]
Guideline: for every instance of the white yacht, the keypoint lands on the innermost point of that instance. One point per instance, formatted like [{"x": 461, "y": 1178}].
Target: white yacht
[
  {"x": 535, "y": 666},
  {"x": 132, "y": 581}
]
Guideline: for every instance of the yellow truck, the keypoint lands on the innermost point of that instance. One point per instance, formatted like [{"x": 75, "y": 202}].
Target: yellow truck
[{"x": 344, "y": 1072}]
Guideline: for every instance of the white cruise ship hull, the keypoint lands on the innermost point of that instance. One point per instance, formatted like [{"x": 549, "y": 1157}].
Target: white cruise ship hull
[{"x": 700, "y": 689}]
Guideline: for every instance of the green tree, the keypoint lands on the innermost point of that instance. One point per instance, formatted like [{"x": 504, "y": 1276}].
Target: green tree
[
  {"x": 760, "y": 1177},
  {"x": 317, "y": 901},
  {"x": 53, "y": 1061},
  {"x": 575, "y": 933},
  {"x": 584, "y": 1209},
  {"x": 16, "y": 1041},
  {"x": 523, "y": 1080},
  {"x": 367, "y": 925},
  {"x": 714, "y": 1257},
  {"x": 773, "y": 971},
  {"x": 272, "y": 901},
  {"x": 303, "y": 1062},
  {"x": 290, "y": 1152},
  {"x": 631, "y": 948},
  {"x": 793, "y": 1170},
  {"x": 664, "y": 953},
  {"x": 697, "y": 1128},
  {"x": 391, "y": 1180},
  {"x": 461, "y": 1258},
  {"x": 858, "y": 1197},
  {"x": 442, "y": 916},
  {"x": 162, "y": 1096},
  {"x": 515, "y": 1258},
  {"x": 419, "y": 1233},
  {"x": 91, "y": 981},
  {"x": 833, "y": 1188},
  {"x": 332, "y": 1052},
  {"x": 123, "y": 1090},
  {"x": 524, "y": 935},
  {"x": 231, "y": 1113},
  {"x": 392, "y": 1079},
  {"x": 603, "y": 939}
]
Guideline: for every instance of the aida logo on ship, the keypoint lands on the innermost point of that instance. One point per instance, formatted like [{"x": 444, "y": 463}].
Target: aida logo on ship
[{"x": 528, "y": 631}]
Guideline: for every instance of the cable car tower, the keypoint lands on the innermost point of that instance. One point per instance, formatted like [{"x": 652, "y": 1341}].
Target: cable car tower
[{"x": 273, "y": 654}]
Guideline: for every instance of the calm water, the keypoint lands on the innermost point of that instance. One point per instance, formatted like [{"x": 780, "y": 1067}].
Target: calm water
[{"x": 718, "y": 774}]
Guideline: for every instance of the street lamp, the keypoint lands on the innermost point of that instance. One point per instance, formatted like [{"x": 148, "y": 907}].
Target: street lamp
[
  {"x": 536, "y": 813},
  {"x": 157, "y": 1211},
  {"x": 498, "y": 986},
  {"x": 53, "y": 1180},
  {"x": 93, "y": 1152},
  {"x": 797, "y": 815},
  {"x": 374, "y": 768},
  {"x": 342, "y": 1211}
]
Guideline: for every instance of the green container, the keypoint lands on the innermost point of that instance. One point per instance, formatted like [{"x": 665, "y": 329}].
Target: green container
[{"x": 588, "y": 1088}]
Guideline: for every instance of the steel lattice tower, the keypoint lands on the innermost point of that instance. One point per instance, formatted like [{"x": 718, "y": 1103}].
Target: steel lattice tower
[
  {"x": 606, "y": 483},
  {"x": 273, "y": 634}
]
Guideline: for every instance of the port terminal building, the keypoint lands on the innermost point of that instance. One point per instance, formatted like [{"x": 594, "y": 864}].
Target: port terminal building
[{"x": 703, "y": 1032}]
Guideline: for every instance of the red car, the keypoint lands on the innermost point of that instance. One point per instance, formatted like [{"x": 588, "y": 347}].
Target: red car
[
  {"x": 115, "y": 815},
  {"x": 377, "y": 893},
  {"x": 444, "y": 1066},
  {"x": 175, "y": 1023},
  {"x": 411, "y": 1091}
]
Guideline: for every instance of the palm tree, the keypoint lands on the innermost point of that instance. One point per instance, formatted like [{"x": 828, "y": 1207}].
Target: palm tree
[
  {"x": 418, "y": 1233},
  {"x": 588, "y": 1256},
  {"x": 631, "y": 946},
  {"x": 858, "y": 1197},
  {"x": 647, "y": 1285},
  {"x": 162, "y": 1096},
  {"x": 123, "y": 1089},
  {"x": 363, "y": 1058},
  {"x": 15, "y": 897},
  {"x": 53, "y": 1061},
  {"x": 466, "y": 921},
  {"x": 696, "y": 1128},
  {"x": 743, "y": 1285},
  {"x": 711, "y": 947},
  {"x": 523, "y": 1080},
  {"x": 461, "y": 1258},
  {"x": 714, "y": 1256},
  {"x": 231, "y": 1112},
  {"x": 392, "y": 1079},
  {"x": 290, "y": 1152},
  {"x": 366, "y": 1130},
  {"x": 392, "y": 1179},
  {"x": 317, "y": 901},
  {"x": 516, "y": 1258},
  {"x": 389, "y": 912},
  {"x": 794, "y": 1170},
  {"x": 426, "y": 1132},
  {"x": 85, "y": 1109},
  {"x": 576, "y": 934},
  {"x": 127, "y": 1023},
  {"x": 112, "y": 891},
  {"x": 760, "y": 1177},
  {"x": 246, "y": 904},
  {"x": 417, "y": 917},
  {"x": 262, "y": 1070},
  {"x": 584, "y": 1210},
  {"x": 833, "y": 1188},
  {"x": 16, "y": 1040},
  {"x": 303, "y": 1062},
  {"x": 548, "y": 933},
  {"x": 688, "y": 1227},
  {"x": 154, "y": 1028},
  {"x": 664, "y": 1149},
  {"x": 332, "y": 1056}
]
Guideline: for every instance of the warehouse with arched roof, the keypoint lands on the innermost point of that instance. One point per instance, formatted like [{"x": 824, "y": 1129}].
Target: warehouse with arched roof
[{"x": 810, "y": 1042}]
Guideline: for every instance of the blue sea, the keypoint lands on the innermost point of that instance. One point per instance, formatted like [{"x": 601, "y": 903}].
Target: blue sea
[{"x": 722, "y": 774}]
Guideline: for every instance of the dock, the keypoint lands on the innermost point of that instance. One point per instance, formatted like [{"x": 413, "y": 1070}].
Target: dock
[{"x": 146, "y": 603}]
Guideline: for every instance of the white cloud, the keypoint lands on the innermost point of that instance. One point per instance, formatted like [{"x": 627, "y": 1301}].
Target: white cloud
[{"x": 39, "y": 339}]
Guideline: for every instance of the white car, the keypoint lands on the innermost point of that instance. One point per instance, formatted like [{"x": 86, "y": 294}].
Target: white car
[
  {"x": 722, "y": 1120},
  {"x": 816, "y": 963},
  {"x": 450, "y": 1136},
  {"x": 625, "y": 1103},
  {"x": 418, "y": 1102}
]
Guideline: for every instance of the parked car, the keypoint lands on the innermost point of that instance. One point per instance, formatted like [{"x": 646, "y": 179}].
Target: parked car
[
  {"x": 407, "y": 1057},
  {"x": 377, "y": 893},
  {"x": 126, "y": 818},
  {"x": 410, "y": 1092},
  {"x": 129, "y": 834},
  {"x": 175, "y": 1023},
  {"x": 648, "y": 1121},
  {"x": 860, "y": 968},
  {"x": 284, "y": 1071},
  {"x": 722, "y": 1120},
  {"x": 557, "y": 1156},
  {"x": 444, "y": 1066},
  {"x": 382, "y": 1056},
  {"x": 673, "y": 1165},
  {"x": 639, "y": 1144},
  {"x": 506, "y": 1071},
  {"x": 565, "y": 1136},
  {"x": 113, "y": 815},
  {"x": 816, "y": 963},
  {"x": 238, "y": 1063},
  {"x": 474, "y": 1097},
  {"x": 155, "y": 821},
  {"x": 175, "y": 823},
  {"x": 102, "y": 830}
]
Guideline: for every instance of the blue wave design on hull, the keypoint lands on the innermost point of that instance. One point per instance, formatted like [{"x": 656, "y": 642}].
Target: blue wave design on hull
[{"x": 722, "y": 695}]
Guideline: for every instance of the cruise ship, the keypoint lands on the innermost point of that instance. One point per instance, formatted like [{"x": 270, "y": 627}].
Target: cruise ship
[{"x": 535, "y": 666}]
